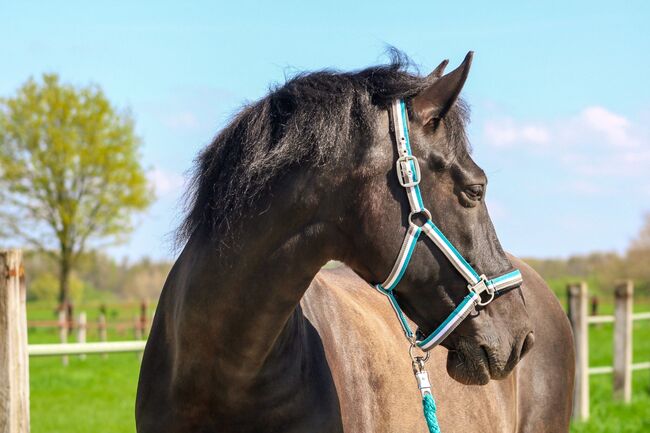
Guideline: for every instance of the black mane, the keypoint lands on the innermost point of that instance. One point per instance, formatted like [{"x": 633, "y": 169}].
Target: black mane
[{"x": 308, "y": 120}]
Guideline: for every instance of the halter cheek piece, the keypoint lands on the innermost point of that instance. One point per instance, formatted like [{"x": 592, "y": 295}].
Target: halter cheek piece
[{"x": 408, "y": 174}]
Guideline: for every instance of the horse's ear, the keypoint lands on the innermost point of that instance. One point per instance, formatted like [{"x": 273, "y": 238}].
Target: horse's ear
[
  {"x": 435, "y": 101},
  {"x": 437, "y": 73}
]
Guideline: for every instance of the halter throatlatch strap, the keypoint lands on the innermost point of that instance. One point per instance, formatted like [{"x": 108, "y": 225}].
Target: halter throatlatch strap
[{"x": 408, "y": 174}]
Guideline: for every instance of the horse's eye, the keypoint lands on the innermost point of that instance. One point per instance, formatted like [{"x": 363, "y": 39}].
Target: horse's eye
[{"x": 475, "y": 192}]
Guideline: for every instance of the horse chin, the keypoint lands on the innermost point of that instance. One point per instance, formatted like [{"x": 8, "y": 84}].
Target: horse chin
[{"x": 468, "y": 366}]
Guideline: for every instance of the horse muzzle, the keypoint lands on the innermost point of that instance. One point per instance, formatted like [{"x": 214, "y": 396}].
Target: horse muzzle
[{"x": 474, "y": 362}]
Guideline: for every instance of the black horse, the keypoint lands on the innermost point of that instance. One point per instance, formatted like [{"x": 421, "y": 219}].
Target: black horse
[{"x": 306, "y": 175}]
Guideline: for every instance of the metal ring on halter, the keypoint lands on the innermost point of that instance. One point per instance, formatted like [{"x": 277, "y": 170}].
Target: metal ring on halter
[
  {"x": 418, "y": 358},
  {"x": 424, "y": 211}
]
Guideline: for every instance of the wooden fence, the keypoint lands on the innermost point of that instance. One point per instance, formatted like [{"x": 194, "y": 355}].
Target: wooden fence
[
  {"x": 15, "y": 351},
  {"x": 66, "y": 326},
  {"x": 623, "y": 367},
  {"x": 81, "y": 326}
]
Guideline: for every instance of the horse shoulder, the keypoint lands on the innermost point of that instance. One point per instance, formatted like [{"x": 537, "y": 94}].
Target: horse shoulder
[
  {"x": 368, "y": 357},
  {"x": 366, "y": 354}
]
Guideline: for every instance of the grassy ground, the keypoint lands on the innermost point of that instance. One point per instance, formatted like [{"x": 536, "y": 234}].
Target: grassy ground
[
  {"x": 608, "y": 416},
  {"x": 94, "y": 395},
  {"x": 97, "y": 395}
]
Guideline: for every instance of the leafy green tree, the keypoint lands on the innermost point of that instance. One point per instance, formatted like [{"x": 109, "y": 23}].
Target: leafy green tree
[
  {"x": 70, "y": 171},
  {"x": 44, "y": 288}
]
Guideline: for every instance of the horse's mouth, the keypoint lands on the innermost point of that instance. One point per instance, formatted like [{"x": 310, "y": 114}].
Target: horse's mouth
[{"x": 467, "y": 369}]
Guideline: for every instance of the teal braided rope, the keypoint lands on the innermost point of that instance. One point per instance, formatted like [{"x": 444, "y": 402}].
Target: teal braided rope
[{"x": 430, "y": 413}]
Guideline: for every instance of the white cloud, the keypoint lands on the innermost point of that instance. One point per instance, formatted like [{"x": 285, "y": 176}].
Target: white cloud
[
  {"x": 165, "y": 182},
  {"x": 615, "y": 128},
  {"x": 593, "y": 142},
  {"x": 506, "y": 132},
  {"x": 594, "y": 123}
]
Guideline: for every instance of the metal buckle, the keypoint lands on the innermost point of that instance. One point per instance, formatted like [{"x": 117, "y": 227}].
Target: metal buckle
[
  {"x": 408, "y": 171},
  {"x": 481, "y": 287}
]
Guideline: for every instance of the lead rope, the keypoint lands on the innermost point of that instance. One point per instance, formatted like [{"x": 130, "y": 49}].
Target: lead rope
[{"x": 424, "y": 385}]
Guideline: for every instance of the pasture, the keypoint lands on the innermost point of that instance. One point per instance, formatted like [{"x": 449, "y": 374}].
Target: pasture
[
  {"x": 95, "y": 394},
  {"x": 99, "y": 394}
]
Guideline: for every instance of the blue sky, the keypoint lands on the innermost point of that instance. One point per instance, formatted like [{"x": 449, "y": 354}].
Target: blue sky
[{"x": 559, "y": 92}]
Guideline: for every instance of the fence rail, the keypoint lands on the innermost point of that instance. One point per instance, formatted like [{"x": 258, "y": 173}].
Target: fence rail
[
  {"x": 600, "y": 319},
  {"x": 612, "y": 319},
  {"x": 50, "y": 324},
  {"x": 67, "y": 324},
  {"x": 623, "y": 320},
  {"x": 85, "y": 348}
]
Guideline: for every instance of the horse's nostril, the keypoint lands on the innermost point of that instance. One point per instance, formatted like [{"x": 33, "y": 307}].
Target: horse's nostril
[{"x": 528, "y": 344}]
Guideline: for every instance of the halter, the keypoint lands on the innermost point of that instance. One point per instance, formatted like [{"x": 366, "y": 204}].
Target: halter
[{"x": 408, "y": 174}]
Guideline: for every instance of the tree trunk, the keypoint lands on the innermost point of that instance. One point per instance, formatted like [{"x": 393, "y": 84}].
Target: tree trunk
[{"x": 64, "y": 279}]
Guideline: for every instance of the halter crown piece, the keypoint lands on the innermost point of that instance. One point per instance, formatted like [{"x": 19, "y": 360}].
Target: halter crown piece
[{"x": 408, "y": 174}]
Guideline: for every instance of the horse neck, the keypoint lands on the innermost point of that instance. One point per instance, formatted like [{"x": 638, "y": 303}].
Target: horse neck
[{"x": 248, "y": 293}]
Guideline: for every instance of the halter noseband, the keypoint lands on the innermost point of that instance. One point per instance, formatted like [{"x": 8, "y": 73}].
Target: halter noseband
[{"x": 408, "y": 174}]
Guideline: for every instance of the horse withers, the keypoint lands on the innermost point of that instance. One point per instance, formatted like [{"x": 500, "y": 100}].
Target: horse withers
[{"x": 306, "y": 175}]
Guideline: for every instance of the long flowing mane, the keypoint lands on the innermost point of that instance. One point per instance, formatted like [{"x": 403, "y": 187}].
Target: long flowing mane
[{"x": 308, "y": 120}]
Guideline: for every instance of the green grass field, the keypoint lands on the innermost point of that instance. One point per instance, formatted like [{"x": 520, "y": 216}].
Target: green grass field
[
  {"x": 97, "y": 395},
  {"x": 94, "y": 395}
]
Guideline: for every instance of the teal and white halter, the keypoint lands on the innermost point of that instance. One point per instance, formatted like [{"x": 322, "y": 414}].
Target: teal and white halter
[{"x": 408, "y": 174}]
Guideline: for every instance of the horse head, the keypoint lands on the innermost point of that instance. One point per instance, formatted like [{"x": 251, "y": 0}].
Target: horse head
[{"x": 493, "y": 338}]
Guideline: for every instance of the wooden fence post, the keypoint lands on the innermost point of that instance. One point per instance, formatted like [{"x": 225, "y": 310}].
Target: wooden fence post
[
  {"x": 623, "y": 341},
  {"x": 81, "y": 331},
  {"x": 14, "y": 360},
  {"x": 101, "y": 329},
  {"x": 144, "y": 309},
  {"x": 63, "y": 331},
  {"x": 578, "y": 302}
]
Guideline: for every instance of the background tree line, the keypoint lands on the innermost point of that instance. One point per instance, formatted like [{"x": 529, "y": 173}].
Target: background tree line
[
  {"x": 602, "y": 269},
  {"x": 97, "y": 277}
]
